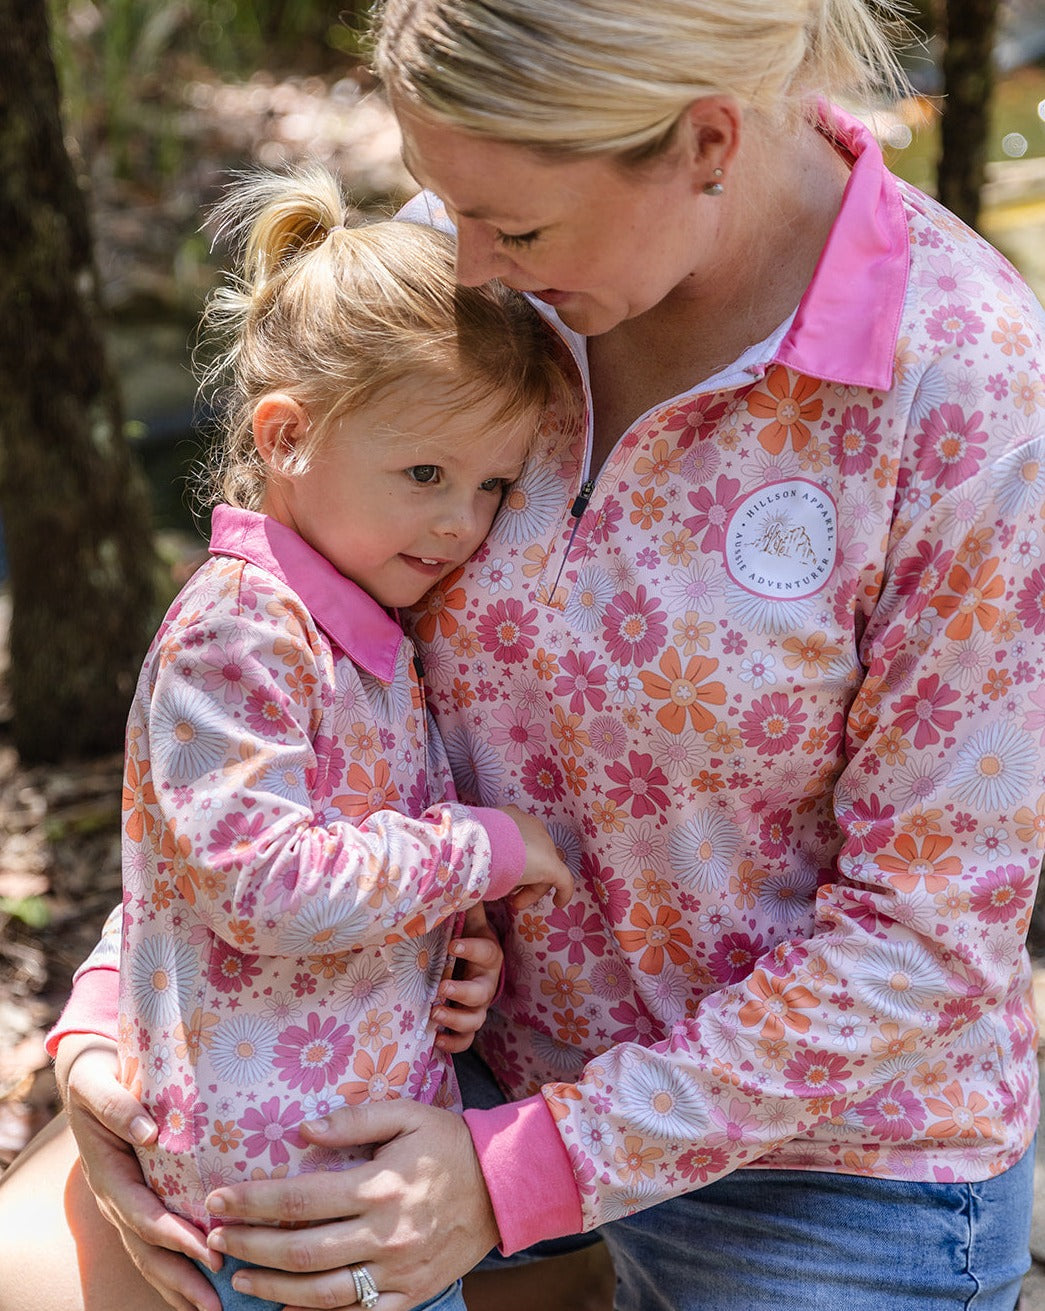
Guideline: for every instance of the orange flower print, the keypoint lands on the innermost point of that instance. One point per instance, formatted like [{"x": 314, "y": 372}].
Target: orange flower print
[
  {"x": 139, "y": 798},
  {"x": 378, "y": 1080},
  {"x": 1031, "y": 823},
  {"x": 970, "y": 599},
  {"x": 369, "y": 794},
  {"x": 660, "y": 465},
  {"x": 1010, "y": 337},
  {"x": 959, "y": 1118},
  {"x": 565, "y": 987},
  {"x": 649, "y": 508},
  {"x": 179, "y": 852},
  {"x": 635, "y": 1162},
  {"x": 789, "y": 407},
  {"x": 655, "y": 937},
  {"x": 912, "y": 865},
  {"x": 434, "y": 610},
  {"x": 684, "y": 691},
  {"x": 775, "y": 1006},
  {"x": 813, "y": 653}
]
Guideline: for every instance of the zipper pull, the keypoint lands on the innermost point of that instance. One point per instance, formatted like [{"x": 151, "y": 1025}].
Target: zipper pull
[
  {"x": 419, "y": 668},
  {"x": 583, "y": 497}
]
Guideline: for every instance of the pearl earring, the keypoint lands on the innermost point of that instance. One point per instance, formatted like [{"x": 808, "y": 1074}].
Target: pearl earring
[{"x": 714, "y": 188}]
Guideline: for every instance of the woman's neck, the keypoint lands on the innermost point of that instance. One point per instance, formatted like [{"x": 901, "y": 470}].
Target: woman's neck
[{"x": 782, "y": 197}]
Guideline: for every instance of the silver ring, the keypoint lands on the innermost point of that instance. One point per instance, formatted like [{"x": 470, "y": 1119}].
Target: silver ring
[{"x": 366, "y": 1289}]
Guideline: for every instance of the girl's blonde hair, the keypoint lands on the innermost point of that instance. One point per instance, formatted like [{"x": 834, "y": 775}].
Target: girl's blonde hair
[
  {"x": 584, "y": 77},
  {"x": 336, "y": 315}
]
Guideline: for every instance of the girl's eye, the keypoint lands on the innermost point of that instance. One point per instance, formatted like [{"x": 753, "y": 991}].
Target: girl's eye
[
  {"x": 424, "y": 473},
  {"x": 518, "y": 239},
  {"x": 493, "y": 485}
]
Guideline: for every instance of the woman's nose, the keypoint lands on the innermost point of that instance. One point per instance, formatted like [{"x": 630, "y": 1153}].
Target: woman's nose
[{"x": 478, "y": 259}]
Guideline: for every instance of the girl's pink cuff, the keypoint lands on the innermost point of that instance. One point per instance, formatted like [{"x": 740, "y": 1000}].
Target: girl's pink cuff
[
  {"x": 507, "y": 851},
  {"x": 517, "y": 1145},
  {"x": 93, "y": 1007}
]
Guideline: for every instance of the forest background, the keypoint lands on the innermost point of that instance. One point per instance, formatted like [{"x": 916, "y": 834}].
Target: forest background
[{"x": 160, "y": 100}]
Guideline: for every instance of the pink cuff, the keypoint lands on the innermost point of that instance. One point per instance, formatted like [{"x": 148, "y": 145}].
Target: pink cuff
[
  {"x": 517, "y": 1144},
  {"x": 507, "y": 851},
  {"x": 93, "y": 1007}
]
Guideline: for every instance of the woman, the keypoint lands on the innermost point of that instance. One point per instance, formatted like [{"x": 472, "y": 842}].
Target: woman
[{"x": 765, "y": 652}]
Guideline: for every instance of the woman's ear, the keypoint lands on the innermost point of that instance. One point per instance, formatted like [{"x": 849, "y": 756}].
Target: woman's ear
[
  {"x": 280, "y": 424},
  {"x": 712, "y": 127}
]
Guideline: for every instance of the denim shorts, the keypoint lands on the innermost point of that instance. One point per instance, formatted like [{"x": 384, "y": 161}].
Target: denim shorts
[
  {"x": 799, "y": 1240},
  {"x": 451, "y": 1299}
]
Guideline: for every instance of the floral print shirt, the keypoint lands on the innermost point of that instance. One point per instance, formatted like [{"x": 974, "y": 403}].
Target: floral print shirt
[
  {"x": 775, "y": 678},
  {"x": 292, "y": 873}
]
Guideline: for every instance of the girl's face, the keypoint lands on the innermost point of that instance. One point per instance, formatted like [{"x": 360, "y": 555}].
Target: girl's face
[
  {"x": 598, "y": 242},
  {"x": 404, "y": 489}
]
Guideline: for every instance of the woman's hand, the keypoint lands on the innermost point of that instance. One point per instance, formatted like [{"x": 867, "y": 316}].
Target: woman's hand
[
  {"x": 418, "y": 1216},
  {"x": 105, "y": 1120},
  {"x": 467, "y": 994}
]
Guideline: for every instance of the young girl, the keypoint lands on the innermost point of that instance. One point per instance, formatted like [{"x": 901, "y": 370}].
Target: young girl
[{"x": 295, "y": 869}]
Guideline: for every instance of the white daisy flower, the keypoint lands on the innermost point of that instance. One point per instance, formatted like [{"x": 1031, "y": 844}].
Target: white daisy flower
[
  {"x": 899, "y": 979},
  {"x": 163, "y": 974},
  {"x": 996, "y": 767},
  {"x": 242, "y": 1050},
  {"x": 701, "y": 851},
  {"x": 188, "y": 737},
  {"x": 531, "y": 505},
  {"x": 322, "y": 928},
  {"x": 587, "y": 602},
  {"x": 661, "y": 1101},
  {"x": 417, "y": 965}
]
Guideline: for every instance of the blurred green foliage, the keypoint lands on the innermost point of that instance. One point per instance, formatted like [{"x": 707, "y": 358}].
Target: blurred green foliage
[{"x": 116, "y": 58}]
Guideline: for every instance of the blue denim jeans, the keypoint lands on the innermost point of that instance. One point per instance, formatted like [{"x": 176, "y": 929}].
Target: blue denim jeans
[
  {"x": 775, "y": 1240},
  {"x": 765, "y": 1240},
  {"x": 450, "y": 1299}
]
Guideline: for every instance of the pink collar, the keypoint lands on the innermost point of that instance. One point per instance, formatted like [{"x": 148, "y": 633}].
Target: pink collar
[
  {"x": 362, "y": 628},
  {"x": 847, "y": 322}
]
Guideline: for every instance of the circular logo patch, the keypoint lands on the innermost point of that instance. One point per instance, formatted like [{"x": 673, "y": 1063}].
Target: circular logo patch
[{"x": 783, "y": 539}]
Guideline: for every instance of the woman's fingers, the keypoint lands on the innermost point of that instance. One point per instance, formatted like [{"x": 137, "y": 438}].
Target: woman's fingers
[
  {"x": 87, "y": 1071},
  {"x": 416, "y": 1224}
]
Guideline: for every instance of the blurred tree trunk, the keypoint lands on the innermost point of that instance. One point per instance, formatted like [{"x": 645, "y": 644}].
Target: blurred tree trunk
[
  {"x": 968, "y": 85},
  {"x": 74, "y": 512}
]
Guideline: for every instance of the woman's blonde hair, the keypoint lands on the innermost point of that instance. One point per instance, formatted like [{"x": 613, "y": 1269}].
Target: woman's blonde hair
[
  {"x": 582, "y": 77},
  {"x": 336, "y": 315}
]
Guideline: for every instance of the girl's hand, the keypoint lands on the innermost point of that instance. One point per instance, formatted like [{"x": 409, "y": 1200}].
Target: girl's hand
[
  {"x": 105, "y": 1120},
  {"x": 544, "y": 871},
  {"x": 417, "y": 1216},
  {"x": 475, "y": 981}
]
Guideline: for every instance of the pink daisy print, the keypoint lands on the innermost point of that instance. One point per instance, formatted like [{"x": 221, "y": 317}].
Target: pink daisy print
[
  {"x": 507, "y": 631},
  {"x": 582, "y": 680},
  {"x": 315, "y": 1053},
  {"x": 774, "y": 724},
  {"x": 269, "y": 1130},
  {"x": 267, "y": 712},
  {"x": 1002, "y": 893},
  {"x": 951, "y": 444},
  {"x": 635, "y": 627},
  {"x": 640, "y": 785},
  {"x": 854, "y": 441},
  {"x": 180, "y": 1118},
  {"x": 894, "y": 1113}
]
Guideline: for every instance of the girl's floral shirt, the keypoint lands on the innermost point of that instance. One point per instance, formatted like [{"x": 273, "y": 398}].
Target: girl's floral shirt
[
  {"x": 289, "y": 888},
  {"x": 775, "y": 678}
]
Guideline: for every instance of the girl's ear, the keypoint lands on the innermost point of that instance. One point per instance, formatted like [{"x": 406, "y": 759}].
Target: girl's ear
[{"x": 280, "y": 424}]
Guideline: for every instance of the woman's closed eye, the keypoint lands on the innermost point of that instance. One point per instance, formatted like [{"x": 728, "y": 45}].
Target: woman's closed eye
[{"x": 518, "y": 240}]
